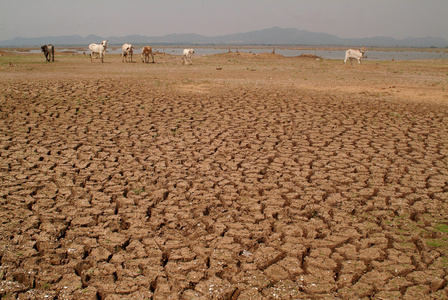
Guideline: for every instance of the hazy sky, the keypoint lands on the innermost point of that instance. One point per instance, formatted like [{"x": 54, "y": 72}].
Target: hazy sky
[{"x": 344, "y": 18}]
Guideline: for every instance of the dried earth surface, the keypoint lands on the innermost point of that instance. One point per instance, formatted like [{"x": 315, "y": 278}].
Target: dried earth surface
[{"x": 240, "y": 176}]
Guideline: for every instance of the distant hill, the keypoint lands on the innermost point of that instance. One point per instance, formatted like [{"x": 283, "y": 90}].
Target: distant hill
[
  {"x": 270, "y": 36},
  {"x": 56, "y": 40}
]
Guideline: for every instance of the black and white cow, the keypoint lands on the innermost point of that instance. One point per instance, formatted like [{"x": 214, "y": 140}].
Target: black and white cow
[
  {"x": 127, "y": 51},
  {"x": 48, "y": 51}
]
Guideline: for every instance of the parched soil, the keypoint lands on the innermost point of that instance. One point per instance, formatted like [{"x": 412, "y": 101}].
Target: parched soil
[{"x": 238, "y": 177}]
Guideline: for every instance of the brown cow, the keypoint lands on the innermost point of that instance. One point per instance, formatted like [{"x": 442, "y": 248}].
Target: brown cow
[{"x": 146, "y": 51}]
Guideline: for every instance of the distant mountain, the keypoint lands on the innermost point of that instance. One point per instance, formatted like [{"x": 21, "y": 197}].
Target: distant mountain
[
  {"x": 270, "y": 36},
  {"x": 383, "y": 41},
  {"x": 280, "y": 36},
  {"x": 56, "y": 40}
]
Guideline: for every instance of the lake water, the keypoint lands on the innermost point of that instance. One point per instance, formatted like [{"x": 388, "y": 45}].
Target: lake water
[{"x": 325, "y": 54}]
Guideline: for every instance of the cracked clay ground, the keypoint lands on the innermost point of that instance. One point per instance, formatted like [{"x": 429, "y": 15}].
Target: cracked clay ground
[{"x": 239, "y": 177}]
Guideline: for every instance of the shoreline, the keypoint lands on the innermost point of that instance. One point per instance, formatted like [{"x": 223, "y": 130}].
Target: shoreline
[{"x": 282, "y": 47}]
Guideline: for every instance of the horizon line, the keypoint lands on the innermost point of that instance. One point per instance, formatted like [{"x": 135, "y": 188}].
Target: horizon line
[{"x": 223, "y": 35}]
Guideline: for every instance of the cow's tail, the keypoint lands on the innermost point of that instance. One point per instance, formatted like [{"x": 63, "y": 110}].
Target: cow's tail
[{"x": 52, "y": 53}]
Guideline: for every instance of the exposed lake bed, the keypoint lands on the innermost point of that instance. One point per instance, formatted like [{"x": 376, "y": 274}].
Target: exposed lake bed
[{"x": 241, "y": 176}]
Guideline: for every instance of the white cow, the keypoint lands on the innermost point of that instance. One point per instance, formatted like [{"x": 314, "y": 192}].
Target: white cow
[
  {"x": 187, "y": 56},
  {"x": 98, "y": 49},
  {"x": 146, "y": 52},
  {"x": 354, "y": 54},
  {"x": 126, "y": 50}
]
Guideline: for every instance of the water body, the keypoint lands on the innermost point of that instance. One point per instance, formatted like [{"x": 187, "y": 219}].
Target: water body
[{"x": 325, "y": 54}]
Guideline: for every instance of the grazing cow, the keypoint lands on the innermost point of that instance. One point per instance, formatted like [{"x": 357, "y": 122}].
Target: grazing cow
[
  {"x": 48, "y": 51},
  {"x": 100, "y": 49},
  {"x": 187, "y": 56},
  {"x": 354, "y": 54},
  {"x": 146, "y": 52},
  {"x": 126, "y": 50}
]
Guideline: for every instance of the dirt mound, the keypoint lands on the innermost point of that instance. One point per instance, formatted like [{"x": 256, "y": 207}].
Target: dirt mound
[{"x": 309, "y": 56}]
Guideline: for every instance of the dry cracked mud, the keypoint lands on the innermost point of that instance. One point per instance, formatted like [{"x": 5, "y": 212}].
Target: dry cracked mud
[{"x": 239, "y": 177}]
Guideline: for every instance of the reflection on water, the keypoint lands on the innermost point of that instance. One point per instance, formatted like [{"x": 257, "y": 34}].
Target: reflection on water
[{"x": 325, "y": 54}]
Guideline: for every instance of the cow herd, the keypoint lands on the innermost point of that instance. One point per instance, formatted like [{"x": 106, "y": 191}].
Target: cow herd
[{"x": 127, "y": 51}]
